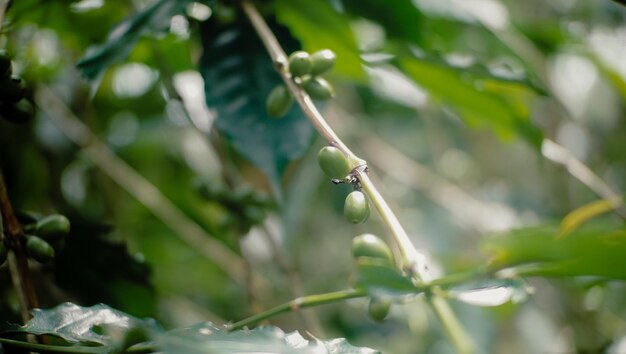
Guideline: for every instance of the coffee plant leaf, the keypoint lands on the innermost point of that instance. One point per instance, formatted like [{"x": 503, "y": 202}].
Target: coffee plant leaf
[
  {"x": 207, "y": 338},
  {"x": 238, "y": 75},
  {"x": 379, "y": 277},
  {"x": 123, "y": 37},
  {"x": 594, "y": 249},
  {"x": 87, "y": 325},
  {"x": 481, "y": 99},
  {"x": 319, "y": 26},
  {"x": 401, "y": 19},
  {"x": 493, "y": 292}
]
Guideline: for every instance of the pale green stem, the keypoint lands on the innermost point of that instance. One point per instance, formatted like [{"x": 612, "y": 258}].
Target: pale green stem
[
  {"x": 461, "y": 340},
  {"x": 298, "y": 303},
  {"x": 413, "y": 261}
]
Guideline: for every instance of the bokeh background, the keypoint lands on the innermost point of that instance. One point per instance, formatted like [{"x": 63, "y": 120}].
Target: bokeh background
[{"x": 160, "y": 185}]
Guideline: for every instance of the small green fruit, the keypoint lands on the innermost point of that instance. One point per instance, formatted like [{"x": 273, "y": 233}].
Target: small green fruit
[
  {"x": 368, "y": 245},
  {"x": 3, "y": 252},
  {"x": 300, "y": 63},
  {"x": 333, "y": 162},
  {"x": 378, "y": 308},
  {"x": 53, "y": 227},
  {"x": 39, "y": 249},
  {"x": 279, "y": 102},
  {"x": 12, "y": 89},
  {"x": 322, "y": 61},
  {"x": 318, "y": 88},
  {"x": 356, "y": 209}
]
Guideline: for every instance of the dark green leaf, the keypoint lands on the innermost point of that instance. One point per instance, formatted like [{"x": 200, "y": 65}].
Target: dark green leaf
[
  {"x": 318, "y": 26},
  {"x": 77, "y": 324},
  {"x": 596, "y": 249},
  {"x": 401, "y": 19},
  {"x": 379, "y": 277},
  {"x": 482, "y": 100},
  {"x": 125, "y": 35},
  {"x": 239, "y": 75},
  {"x": 206, "y": 338}
]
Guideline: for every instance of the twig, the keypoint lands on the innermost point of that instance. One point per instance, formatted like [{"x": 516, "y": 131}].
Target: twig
[
  {"x": 412, "y": 259},
  {"x": 18, "y": 260},
  {"x": 141, "y": 189},
  {"x": 296, "y": 304},
  {"x": 561, "y": 155}
]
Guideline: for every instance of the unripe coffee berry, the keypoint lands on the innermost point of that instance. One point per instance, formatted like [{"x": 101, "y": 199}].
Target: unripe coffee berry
[
  {"x": 322, "y": 61},
  {"x": 333, "y": 162},
  {"x": 53, "y": 227},
  {"x": 356, "y": 209},
  {"x": 38, "y": 249},
  {"x": 300, "y": 63},
  {"x": 279, "y": 102},
  {"x": 368, "y": 245},
  {"x": 318, "y": 88},
  {"x": 378, "y": 308}
]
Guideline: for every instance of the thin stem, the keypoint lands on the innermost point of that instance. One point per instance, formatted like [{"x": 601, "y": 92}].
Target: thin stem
[
  {"x": 413, "y": 260},
  {"x": 279, "y": 58},
  {"x": 18, "y": 260},
  {"x": 462, "y": 342},
  {"x": 298, "y": 303}
]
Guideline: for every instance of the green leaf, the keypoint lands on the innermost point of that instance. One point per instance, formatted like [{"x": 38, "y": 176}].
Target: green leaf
[
  {"x": 592, "y": 250},
  {"x": 481, "y": 99},
  {"x": 124, "y": 36},
  {"x": 318, "y": 26},
  {"x": 401, "y": 19},
  {"x": 77, "y": 324},
  {"x": 493, "y": 292},
  {"x": 239, "y": 75},
  {"x": 206, "y": 338},
  {"x": 576, "y": 218},
  {"x": 379, "y": 277}
]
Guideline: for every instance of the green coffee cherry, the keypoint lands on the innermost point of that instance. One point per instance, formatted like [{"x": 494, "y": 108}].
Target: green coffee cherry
[
  {"x": 333, "y": 162},
  {"x": 322, "y": 61},
  {"x": 368, "y": 245},
  {"x": 12, "y": 89},
  {"x": 356, "y": 209},
  {"x": 378, "y": 308},
  {"x": 279, "y": 101},
  {"x": 38, "y": 249},
  {"x": 318, "y": 88},
  {"x": 3, "y": 252},
  {"x": 19, "y": 112},
  {"x": 53, "y": 227},
  {"x": 299, "y": 63}
]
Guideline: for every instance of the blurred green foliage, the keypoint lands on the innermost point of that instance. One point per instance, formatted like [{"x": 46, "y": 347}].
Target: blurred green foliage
[{"x": 450, "y": 102}]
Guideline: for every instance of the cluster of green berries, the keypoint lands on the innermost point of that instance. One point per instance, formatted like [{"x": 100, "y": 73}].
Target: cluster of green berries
[
  {"x": 305, "y": 70},
  {"x": 41, "y": 234},
  {"x": 13, "y": 106},
  {"x": 336, "y": 166},
  {"x": 356, "y": 210},
  {"x": 371, "y": 246}
]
